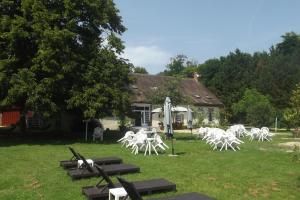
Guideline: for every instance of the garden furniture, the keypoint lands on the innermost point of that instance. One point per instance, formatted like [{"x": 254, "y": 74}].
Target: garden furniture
[
  {"x": 133, "y": 194},
  {"x": 98, "y": 133},
  {"x": 117, "y": 193},
  {"x": 100, "y": 190},
  {"x": 112, "y": 169},
  {"x": 73, "y": 162}
]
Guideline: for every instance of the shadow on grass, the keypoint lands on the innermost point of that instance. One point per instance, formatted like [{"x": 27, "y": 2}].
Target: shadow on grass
[
  {"x": 180, "y": 153},
  {"x": 13, "y": 139}
]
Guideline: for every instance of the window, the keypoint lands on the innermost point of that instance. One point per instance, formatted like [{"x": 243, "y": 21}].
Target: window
[
  {"x": 142, "y": 114},
  {"x": 179, "y": 118}
]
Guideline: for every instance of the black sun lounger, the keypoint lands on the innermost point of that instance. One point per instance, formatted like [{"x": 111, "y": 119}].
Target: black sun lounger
[
  {"x": 72, "y": 163},
  {"x": 145, "y": 187},
  {"x": 87, "y": 171},
  {"x": 133, "y": 193}
]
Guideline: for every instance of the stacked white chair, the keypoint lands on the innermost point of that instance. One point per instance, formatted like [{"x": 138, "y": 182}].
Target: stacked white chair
[
  {"x": 201, "y": 133},
  {"x": 141, "y": 142},
  {"x": 254, "y": 133},
  {"x": 128, "y": 137},
  {"x": 159, "y": 143},
  {"x": 260, "y": 134},
  {"x": 239, "y": 130},
  {"x": 218, "y": 138},
  {"x": 267, "y": 134}
]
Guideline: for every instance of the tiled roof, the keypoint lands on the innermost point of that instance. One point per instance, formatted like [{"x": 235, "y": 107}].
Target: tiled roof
[{"x": 189, "y": 87}]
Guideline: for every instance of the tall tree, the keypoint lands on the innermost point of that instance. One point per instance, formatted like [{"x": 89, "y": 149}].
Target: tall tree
[
  {"x": 254, "y": 108},
  {"x": 292, "y": 114},
  {"x": 181, "y": 66},
  {"x": 61, "y": 56},
  {"x": 281, "y": 72},
  {"x": 169, "y": 89},
  {"x": 140, "y": 70},
  {"x": 229, "y": 76}
]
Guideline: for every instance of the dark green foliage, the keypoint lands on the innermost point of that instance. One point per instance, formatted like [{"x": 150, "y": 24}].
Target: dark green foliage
[
  {"x": 292, "y": 114},
  {"x": 281, "y": 73},
  {"x": 254, "y": 108},
  {"x": 169, "y": 89},
  {"x": 229, "y": 76},
  {"x": 140, "y": 70},
  {"x": 274, "y": 74},
  {"x": 62, "y": 56},
  {"x": 181, "y": 66}
]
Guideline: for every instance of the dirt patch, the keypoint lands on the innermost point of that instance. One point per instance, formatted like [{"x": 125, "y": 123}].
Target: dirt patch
[
  {"x": 291, "y": 138},
  {"x": 289, "y": 145},
  {"x": 212, "y": 178}
]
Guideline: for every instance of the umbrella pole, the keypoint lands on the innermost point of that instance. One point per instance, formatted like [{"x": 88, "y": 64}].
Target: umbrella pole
[
  {"x": 86, "y": 130},
  {"x": 191, "y": 133},
  {"x": 172, "y": 147}
]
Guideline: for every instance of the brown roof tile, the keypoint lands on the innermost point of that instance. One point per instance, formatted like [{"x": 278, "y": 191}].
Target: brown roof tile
[{"x": 189, "y": 87}]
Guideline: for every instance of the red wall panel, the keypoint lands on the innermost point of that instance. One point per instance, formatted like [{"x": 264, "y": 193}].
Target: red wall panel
[{"x": 10, "y": 117}]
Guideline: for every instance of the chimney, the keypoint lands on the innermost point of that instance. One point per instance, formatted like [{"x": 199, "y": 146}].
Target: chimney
[{"x": 196, "y": 76}]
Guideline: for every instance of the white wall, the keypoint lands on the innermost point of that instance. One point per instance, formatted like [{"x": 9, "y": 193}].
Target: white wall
[
  {"x": 204, "y": 109},
  {"x": 110, "y": 123}
]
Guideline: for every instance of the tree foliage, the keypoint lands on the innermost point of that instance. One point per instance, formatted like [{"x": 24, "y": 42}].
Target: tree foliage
[
  {"x": 181, "y": 66},
  {"x": 140, "y": 70},
  {"x": 62, "y": 56},
  {"x": 274, "y": 74},
  {"x": 170, "y": 89},
  {"x": 292, "y": 114},
  {"x": 254, "y": 108}
]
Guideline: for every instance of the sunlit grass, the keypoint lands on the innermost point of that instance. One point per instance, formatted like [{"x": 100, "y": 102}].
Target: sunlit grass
[{"x": 260, "y": 170}]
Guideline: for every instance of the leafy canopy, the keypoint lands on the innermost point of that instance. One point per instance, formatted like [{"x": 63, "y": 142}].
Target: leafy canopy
[
  {"x": 254, "y": 108},
  {"x": 62, "y": 55},
  {"x": 292, "y": 114},
  {"x": 181, "y": 66},
  {"x": 140, "y": 70},
  {"x": 169, "y": 89},
  {"x": 274, "y": 74}
]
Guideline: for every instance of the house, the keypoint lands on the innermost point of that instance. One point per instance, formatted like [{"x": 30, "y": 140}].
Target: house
[{"x": 203, "y": 102}]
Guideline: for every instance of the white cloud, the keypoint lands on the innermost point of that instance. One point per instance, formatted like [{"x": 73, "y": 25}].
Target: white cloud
[{"x": 153, "y": 58}]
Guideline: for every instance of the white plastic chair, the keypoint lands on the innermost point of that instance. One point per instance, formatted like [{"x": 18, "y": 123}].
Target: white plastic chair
[
  {"x": 138, "y": 142},
  {"x": 98, "y": 133},
  {"x": 159, "y": 143},
  {"x": 128, "y": 137}
]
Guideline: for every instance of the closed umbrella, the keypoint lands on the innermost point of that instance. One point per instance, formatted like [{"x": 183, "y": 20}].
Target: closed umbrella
[
  {"x": 189, "y": 119},
  {"x": 168, "y": 129}
]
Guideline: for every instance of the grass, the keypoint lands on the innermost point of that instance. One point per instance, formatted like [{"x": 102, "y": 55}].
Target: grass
[{"x": 260, "y": 170}]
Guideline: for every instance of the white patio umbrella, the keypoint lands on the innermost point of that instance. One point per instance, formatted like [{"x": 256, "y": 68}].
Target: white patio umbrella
[
  {"x": 174, "y": 109},
  {"x": 189, "y": 119},
  {"x": 168, "y": 129}
]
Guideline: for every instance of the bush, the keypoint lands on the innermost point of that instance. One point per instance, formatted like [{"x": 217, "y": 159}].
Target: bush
[{"x": 254, "y": 108}]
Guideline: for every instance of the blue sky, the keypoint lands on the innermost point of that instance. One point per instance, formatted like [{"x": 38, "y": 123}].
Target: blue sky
[{"x": 202, "y": 29}]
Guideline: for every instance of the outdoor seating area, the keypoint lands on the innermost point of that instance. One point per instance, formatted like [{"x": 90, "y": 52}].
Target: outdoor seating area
[
  {"x": 161, "y": 100},
  {"x": 231, "y": 138},
  {"x": 86, "y": 169},
  {"x": 262, "y": 134},
  {"x": 196, "y": 169},
  {"x": 143, "y": 141}
]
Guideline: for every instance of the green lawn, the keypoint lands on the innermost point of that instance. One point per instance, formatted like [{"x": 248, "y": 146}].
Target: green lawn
[{"x": 260, "y": 170}]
